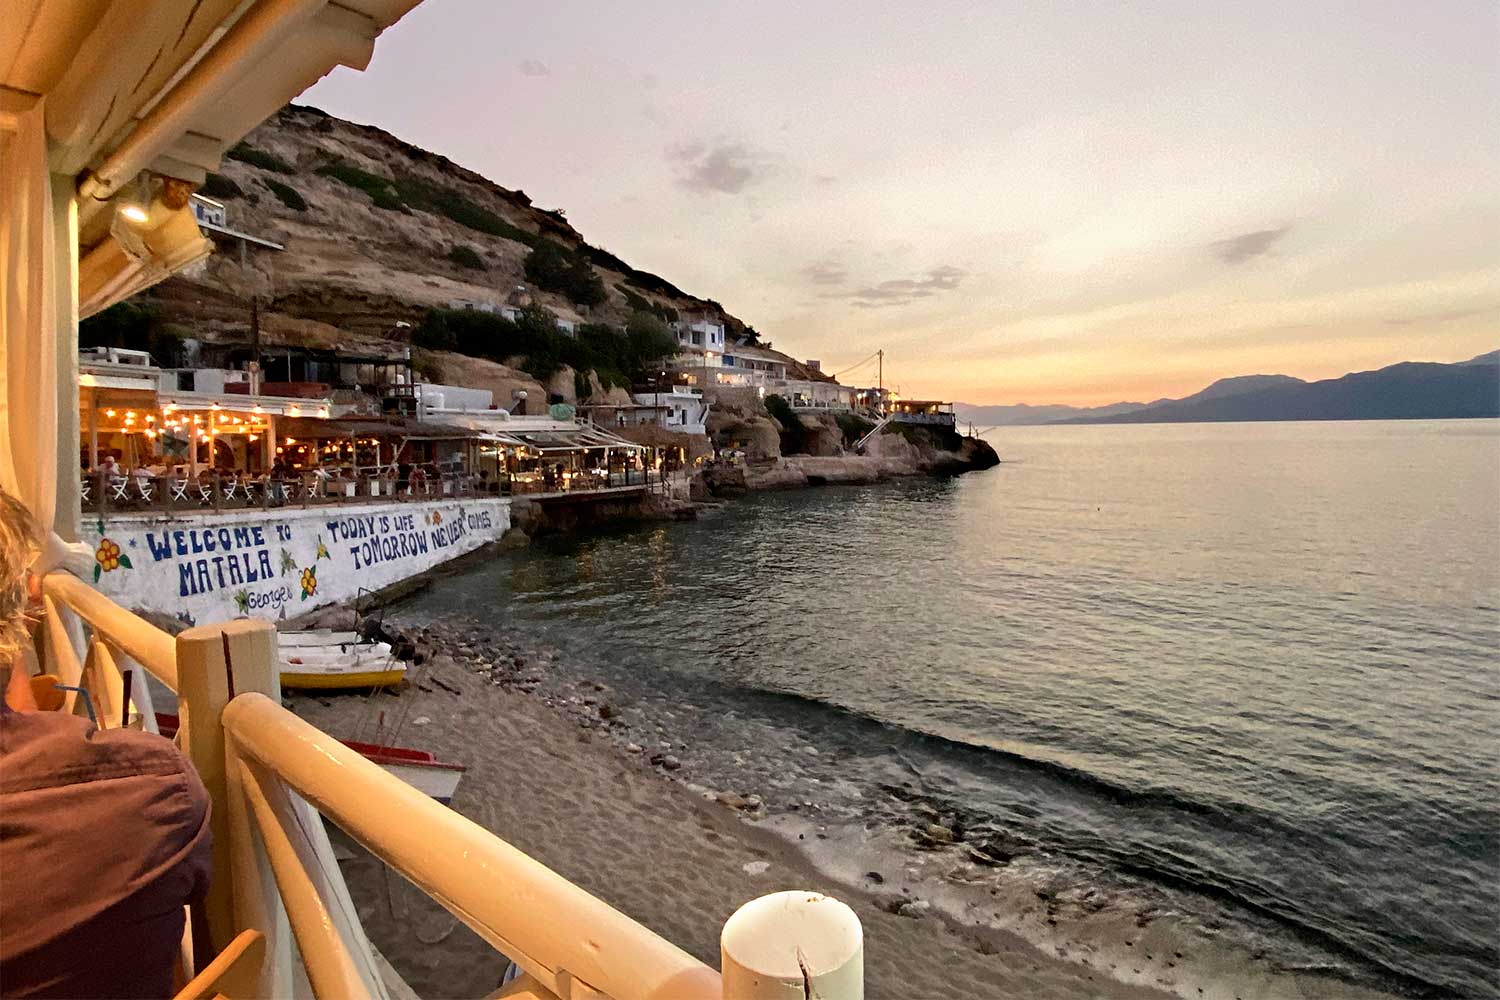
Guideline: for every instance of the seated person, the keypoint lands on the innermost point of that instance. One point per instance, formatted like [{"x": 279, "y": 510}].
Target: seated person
[{"x": 103, "y": 834}]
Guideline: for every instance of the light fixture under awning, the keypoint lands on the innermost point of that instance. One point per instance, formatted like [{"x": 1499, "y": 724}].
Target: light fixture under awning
[{"x": 129, "y": 260}]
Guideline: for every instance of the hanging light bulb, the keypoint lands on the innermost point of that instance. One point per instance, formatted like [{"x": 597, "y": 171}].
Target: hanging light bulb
[{"x": 137, "y": 206}]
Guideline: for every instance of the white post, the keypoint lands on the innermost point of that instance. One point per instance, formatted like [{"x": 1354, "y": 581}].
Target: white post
[
  {"x": 64, "y": 263},
  {"x": 792, "y": 946}
]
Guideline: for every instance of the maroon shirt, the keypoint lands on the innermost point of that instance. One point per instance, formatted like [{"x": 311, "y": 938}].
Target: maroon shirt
[{"x": 103, "y": 837}]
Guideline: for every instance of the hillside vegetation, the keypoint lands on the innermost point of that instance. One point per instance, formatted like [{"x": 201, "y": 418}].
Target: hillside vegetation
[{"x": 382, "y": 239}]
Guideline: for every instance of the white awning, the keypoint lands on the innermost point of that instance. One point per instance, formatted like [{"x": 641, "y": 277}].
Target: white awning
[{"x": 161, "y": 89}]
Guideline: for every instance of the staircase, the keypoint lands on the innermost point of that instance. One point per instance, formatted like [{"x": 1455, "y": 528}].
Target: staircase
[{"x": 859, "y": 445}]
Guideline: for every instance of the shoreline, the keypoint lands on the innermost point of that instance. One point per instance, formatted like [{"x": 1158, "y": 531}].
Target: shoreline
[
  {"x": 656, "y": 849},
  {"x": 483, "y": 694}
]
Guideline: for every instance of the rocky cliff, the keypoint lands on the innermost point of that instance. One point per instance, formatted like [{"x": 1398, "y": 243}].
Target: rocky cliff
[{"x": 376, "y": 231}]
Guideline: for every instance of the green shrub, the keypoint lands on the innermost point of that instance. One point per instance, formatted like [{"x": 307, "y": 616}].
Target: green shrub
[
  {"x": 407, "y": 192},
  {"x": 289, "y": 197},
  {"x": 429, "y": 197},
  {"x": 618, "y": 358},
  {"x": 642, "y": 304},
  {"x": 466, "y": 256},
  {"x": 383, "y": 193},
  {"x": 219, "y": 186},
  {"x": 553, "y": 268},
  {"x": 260, "y": 158},
  {"x": 792, "y": 434}
]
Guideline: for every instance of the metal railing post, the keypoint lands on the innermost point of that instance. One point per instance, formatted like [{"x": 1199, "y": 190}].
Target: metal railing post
[{"x": 216, "y": 663}]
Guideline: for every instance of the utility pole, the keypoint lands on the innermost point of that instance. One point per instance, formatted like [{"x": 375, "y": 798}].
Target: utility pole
[{"x": 880, "y": 379}]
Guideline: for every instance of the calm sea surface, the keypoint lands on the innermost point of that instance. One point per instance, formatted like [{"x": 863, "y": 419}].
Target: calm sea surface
[{"x": 1253, "y": 665}]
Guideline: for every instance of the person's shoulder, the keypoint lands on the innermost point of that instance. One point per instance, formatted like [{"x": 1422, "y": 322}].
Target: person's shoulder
[{"x": 51, "y": 749}]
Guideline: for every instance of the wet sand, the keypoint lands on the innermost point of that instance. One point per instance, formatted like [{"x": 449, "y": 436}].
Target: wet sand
[{"x": 650, "y": 846}]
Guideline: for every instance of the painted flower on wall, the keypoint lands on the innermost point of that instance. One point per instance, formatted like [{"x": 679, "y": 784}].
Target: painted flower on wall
[
  {"x": 108, "y": 558},
  {"x": 437, "y": 517},
  {"x": 309, "y": 582},
  {"x": 242, "y": 601},
  {"x": 322, "y": 550},
  {"x": 288, "y": 564}
]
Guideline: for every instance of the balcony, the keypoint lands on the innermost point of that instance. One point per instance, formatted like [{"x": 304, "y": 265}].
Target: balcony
[{"x": 278, "y": 907}]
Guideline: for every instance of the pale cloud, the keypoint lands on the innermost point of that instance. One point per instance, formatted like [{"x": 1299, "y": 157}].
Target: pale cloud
[
  {"x": 900, "y": 291},
  {"x": 1247, "y": 246},
  {"x": 1445, "y": 316},
  {"x": 725, "y": 168},
  {"x": 826, "y": 273},
  {"x": 534, "y": 67}
]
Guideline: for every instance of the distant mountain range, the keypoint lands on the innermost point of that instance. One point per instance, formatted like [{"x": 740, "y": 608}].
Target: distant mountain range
[{"x": 1407, "y": 391}]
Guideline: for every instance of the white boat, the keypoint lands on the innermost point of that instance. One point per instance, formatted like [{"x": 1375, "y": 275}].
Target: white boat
[
  {"x": 325, "y": 659},
  {"x": 418, "y": 768}
]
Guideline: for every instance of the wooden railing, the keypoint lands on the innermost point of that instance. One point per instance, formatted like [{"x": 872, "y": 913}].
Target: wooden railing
[{"x": 273, "y": 778}]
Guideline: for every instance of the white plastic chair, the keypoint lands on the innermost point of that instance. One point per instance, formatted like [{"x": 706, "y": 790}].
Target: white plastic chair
[
  {"x": 178, "y": 487},
  {"x": 119, "y": 488}
]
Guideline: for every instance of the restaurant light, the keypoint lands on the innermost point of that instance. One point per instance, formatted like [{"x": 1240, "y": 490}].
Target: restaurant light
[
  {"x": 254, "y": 437},
  {"x": 136, "y": 205},
  {"x": 291, "y": 441},
  {"x": 109, "y": 413}
]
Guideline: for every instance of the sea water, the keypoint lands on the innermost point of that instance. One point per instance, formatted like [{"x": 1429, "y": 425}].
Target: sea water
[{"x": 1238, "y": 678}]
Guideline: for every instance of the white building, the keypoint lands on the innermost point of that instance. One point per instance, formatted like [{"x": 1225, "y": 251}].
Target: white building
[
  {"x": 683, "y": 409},
  {"x": 433, "y": 397}
]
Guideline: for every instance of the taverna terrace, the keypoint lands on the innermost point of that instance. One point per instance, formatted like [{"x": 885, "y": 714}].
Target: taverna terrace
[{"x": 111, "y": 114}]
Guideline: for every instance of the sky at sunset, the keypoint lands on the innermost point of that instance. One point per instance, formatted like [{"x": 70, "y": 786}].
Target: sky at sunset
[{"x": 1075, "y": 203}]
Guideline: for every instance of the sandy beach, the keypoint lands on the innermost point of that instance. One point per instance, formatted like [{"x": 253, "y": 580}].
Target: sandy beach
[{"x": 649, "y": 846}]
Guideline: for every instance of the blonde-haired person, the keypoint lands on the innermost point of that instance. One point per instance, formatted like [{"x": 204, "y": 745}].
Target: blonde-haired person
[
  {"x": 103, "y": 833},
  {"x": 18, "y": 593}
]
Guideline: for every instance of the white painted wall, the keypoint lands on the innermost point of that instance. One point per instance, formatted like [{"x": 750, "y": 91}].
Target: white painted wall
[{"x": 277, "y": 564}]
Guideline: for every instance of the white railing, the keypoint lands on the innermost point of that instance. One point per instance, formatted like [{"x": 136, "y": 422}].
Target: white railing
[{"x": 272, "y": 778}]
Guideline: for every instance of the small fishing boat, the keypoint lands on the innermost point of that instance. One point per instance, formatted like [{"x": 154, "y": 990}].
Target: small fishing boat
[
  {"x": 418, "y": 768},
  {"x": 326, "y": 660}
]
